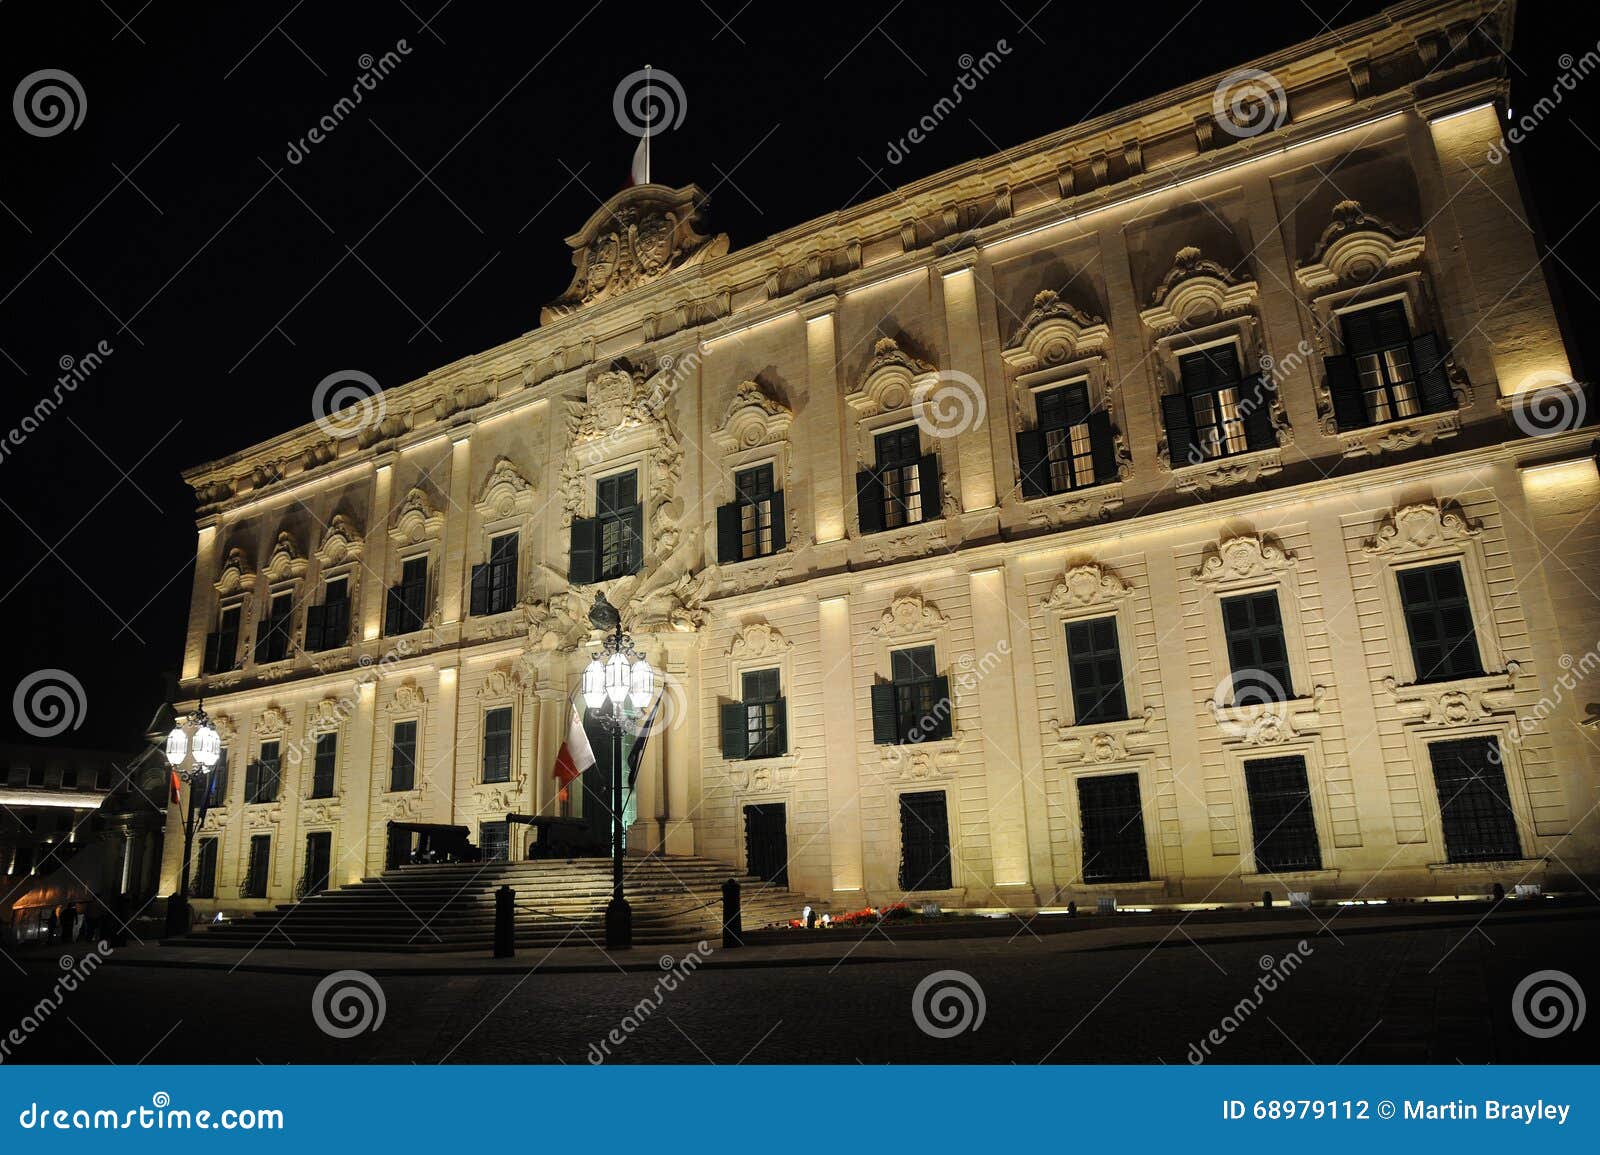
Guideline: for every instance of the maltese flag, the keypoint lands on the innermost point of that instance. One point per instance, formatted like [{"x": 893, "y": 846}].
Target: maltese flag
[
  {"x": 641, "y": 162},
  {"x": 576, "y": 754}
]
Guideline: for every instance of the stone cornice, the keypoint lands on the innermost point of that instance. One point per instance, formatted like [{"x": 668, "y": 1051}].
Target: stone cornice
[{"x": 824, "y": 255}]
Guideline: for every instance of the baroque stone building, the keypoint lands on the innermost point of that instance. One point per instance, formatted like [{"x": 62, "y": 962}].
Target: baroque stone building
[{"x": 1191, "y": 503}]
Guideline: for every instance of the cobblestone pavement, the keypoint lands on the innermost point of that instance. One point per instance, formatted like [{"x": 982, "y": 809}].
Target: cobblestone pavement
[{"x": 1428, "y": 994}]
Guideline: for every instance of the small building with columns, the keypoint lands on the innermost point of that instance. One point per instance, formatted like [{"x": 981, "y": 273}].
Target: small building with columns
[{"x": 1168, "y": 509}]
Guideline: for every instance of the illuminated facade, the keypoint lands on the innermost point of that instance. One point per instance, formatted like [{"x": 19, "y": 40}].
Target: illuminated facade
[{"x": 1169, "y": 509}]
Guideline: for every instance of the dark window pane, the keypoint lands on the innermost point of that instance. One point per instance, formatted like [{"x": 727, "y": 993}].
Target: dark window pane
[
  {"x": 1281, "y": 817},
  {"x": 1094, "y": 660},
  {"x": 1113, "y": 829},
  {"x": 403, "y": 757},
  {"x": 924, "y": 842},
  {"x": 323, "y": 768},
  {"x": 1474, "y": 803},
  {"x": 1256, "y": 649},
  {"x": 1444, "y": 644},
  {"x": 497, "y": 745}
]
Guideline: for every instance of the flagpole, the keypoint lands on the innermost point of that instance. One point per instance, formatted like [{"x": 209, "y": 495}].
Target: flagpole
[{"x": 649, "y": 119}]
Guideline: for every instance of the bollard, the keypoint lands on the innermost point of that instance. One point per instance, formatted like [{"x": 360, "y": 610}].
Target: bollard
[
  {"x": 1072, "y": 910},
  {"x": 1499, "y": 893},
  {"x": 505, "y": 938},
  {"x": 732, "y": 930},
  {"x": 1266, "y": 898}
]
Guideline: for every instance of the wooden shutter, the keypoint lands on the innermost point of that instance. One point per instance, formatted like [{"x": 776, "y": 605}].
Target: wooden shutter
[
  {"x": 942, "y": 723},
  {"x": 728, "y": 537},
  {"x": 585, "y": 551},
  {"x": 1103, "y": 447},
  {"x": 1433, "y": 384},
  {"x": 480, "y": 590},
  {"x": 1180, "y": 430},
  {"x": 869, "y": 500},
  {"x": 394, "y": 611},
  {"x": 263, "y": 639},
  {"x": 885, "y": 715},
  {"x": 1031, "y": 463},
  {"x": 735, "y": 731},
  {"x": 928, "y": 487},
  {"x": 1344, "y": 387},
  {"x": 779, "y": 540},
  {"x": 1258, "y": 430},
  {"x": 213, "y": 653},
  {"x": 315, "y": 616},
  {"x": 780, "y": 743}
]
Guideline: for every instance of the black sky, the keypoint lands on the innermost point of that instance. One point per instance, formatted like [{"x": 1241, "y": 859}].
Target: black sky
[{"x": 228, "y": 281}]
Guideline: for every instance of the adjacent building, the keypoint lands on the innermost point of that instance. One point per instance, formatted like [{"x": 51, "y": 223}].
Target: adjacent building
[{"x": 1193, "y": 503}]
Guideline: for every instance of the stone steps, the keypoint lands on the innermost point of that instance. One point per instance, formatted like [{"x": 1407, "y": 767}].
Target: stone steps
[{"x": 451, "y": 907}]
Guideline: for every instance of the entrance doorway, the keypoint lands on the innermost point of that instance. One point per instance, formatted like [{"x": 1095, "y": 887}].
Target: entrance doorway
[
  {"x": 766, "y": 842},
  {"x": 319, "y": 857},
  {"x": 597, "y": 781}
]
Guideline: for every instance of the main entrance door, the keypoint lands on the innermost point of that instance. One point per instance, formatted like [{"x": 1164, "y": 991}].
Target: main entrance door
[
  {"x": 766, "y": 842},
  {"x": 597, "y": 781}
]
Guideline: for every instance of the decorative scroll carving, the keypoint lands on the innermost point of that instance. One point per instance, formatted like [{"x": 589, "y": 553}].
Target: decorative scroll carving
[
  {"x": 888, "y": 383},
  {"x": 1243, "y": 557},
  {"x": 908, "y": 614},
  {"x": 236, "y": 575},
  {"x": 271, "y": 722},
  {"x": 408, "y": 699},
  {"x": 1422, "y": 526},
  {"x": 417, "y": 519},
  {"x": 1054, "y": 332},
  {"x": 1459, "y": 703},
  {"x": 328, "y": 713},
  {"x": 1106, "y": 741},
  {"x": 754, "y": 418},
  {"x": 1268, "y": 723},
  {"x": 286, "y": 561},
  {"x": 758, "y": 640},
  {"x": 1086, "y": 585},
  {"x": 505, "y": 490},
  {"x": 1197, "y": 291},
  {"x": 632, "y": 239},
  {"x": 1357, "y": 247},
  {"x": 341, "y": 543}
]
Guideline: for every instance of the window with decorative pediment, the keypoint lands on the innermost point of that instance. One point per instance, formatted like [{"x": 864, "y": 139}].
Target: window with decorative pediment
[
  {"x": 504, "y": 506},
  {"x": 405, "y": 735},
  {"x": 1066, "y": 436},
  {"x": 235, "y": 591},
  {"x": 913, "y": 704},
  {"x": 756, "y": 725},
  {"x": 1220, "y": 410},
  {"x": 899, "y": 483},
  {"x": 1387, "y": 381},
  {"x": 275, "y": 631},
  {"x": 328, "y": 622},
  {"x": 1089, "y": 611},
  {"x": 753, "y": 439},
  {"x": 417, "y": 532}
]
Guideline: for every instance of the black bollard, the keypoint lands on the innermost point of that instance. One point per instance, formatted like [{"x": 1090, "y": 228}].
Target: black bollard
[
  {"x": 505, "y": 937},
  {"x": 1072, "y": 909},
  {"x": 732, "y": 923},
  {"x": 1266, "y": 898},
  {"x": 1499, "y": 893}
]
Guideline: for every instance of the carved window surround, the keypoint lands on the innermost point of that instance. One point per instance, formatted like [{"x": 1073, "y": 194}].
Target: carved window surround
[
  {"x": 407, "y": 704},
  {"x": 417, "y": 530},
  {"x": 1066, "y": 782},
  {"x": 1093, "y": 371},
  {"x": 1247, "y": 564},
  {"x": 339, "y": 556},
  {"x": 759, "y": 646},
  {"x": 910, "y": 621},
  {"x": 1432, "y": 834},
  {"x": 1091, "y": 590},
  {"x": 1428, "y": 533},
  {"x": 505, "y": 504},
  {"x": 886, "y": 398},
  {"x": 753, "y": 432},
  {"x": 1309, "y": 749}
]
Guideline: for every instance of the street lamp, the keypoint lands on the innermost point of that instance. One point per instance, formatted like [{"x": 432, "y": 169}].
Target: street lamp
[
  {"x": 201, "y": 745},
  {"x": 618, "y": 673}
]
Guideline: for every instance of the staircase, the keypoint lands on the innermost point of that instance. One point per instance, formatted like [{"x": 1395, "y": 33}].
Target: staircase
[{"x": 451, "y": 907}]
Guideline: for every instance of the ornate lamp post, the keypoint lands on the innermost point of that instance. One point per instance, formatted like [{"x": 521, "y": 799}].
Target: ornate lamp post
[
  {"x": 198, "y": 742},
  {"x": 617, "y": 673}
]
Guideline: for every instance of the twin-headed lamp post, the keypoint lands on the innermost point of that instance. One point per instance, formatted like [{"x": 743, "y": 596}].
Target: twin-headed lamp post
[
  {"x": 618, "y": 673},
  {"x": 196, "y": 741}
]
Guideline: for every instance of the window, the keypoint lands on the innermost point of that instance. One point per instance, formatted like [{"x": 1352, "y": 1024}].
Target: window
[
  {"x": 611, "y": 543},
  {"x": 494, "y": 841},
  {"x": 1281, "y": 818},
  {"x": 497, "y": 745},
  {"x": 1216, "y": 415},
  {"x": 261, "y": 776},
  {"x": 323, "y": 765},
  {"x": 903, "y": 487},
  {"x": 257, "y": 873},
  {"x": 756, "y": 727},
  {"x": 1385, "y": 374},
  {"x": 407, "y": 607},
  {"x": 494, "y": 582},
  {"x": 914, "y": 706},
  {"x": 1070, "y": 448},
  {"x": 217, "y": 789},
  {"x": 1256, "y": 649},
  {"x": 1444, "y": 645},
  {"x": 36, "y": 775},
  {"x": 319, "y": 859},
  {"x": 272, "y": 639},
  {"x": 403, "y": 757},
  {"x": 205, "y": 869},
  {"x": 328, "y": 625},
  {"x": 1094, "y": 660},
  {"x": 222, "y": 646},
  {"x": 924, "y": 842},
  {"x": 1474, "y": 804},
  {"x": 69, "y": 778},
  {"x": 751, "y": 525},
  {"x": 1113, "y": 829}
]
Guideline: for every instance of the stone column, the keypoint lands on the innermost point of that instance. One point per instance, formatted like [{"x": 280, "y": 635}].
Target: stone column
[
  {"x": 974, "y": 456},
  {"x": 375, "y": 570},
  {"x": 837, "y": 658},
  {"x": 990, "y": 687},
  {"x": 551, "y": 732},
  {"x": 818, "y": 435},
  {"x": 679, "y": 748},
  {"x": 357, "y": 856},
  {"x": 202, "y": 605}
]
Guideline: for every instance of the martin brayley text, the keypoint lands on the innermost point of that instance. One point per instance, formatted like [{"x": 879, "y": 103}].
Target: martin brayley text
[{"x": 1525, "y": 1113}]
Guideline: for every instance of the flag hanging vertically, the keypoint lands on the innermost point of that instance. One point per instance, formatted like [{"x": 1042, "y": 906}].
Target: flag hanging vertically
[
  {"x": 636, "y": 754},
  {"x": 576, "y": 754},
  {"x": 640, "y": 172}
]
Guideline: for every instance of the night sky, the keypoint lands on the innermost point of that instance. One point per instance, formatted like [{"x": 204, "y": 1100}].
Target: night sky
[{"x": 227, "y": 281}]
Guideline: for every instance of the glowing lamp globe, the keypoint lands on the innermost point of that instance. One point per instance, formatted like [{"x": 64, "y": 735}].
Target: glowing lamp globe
[
  {"x": 177, "y": 747},
  {"x": 641, "y": 685},
  {"x": 617, "y": 674},
  {"x": 207, "y": 746},
  {"x": 594, "y": 684}
]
